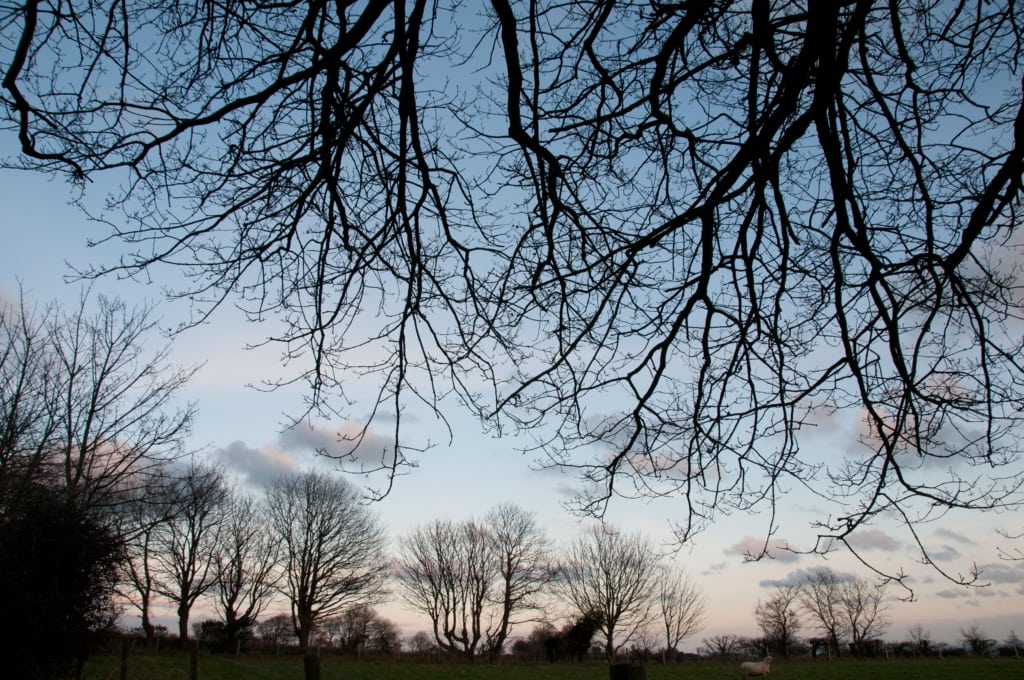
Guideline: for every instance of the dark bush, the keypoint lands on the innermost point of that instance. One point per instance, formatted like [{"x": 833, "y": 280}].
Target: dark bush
[{"x": 57, "y": 575}]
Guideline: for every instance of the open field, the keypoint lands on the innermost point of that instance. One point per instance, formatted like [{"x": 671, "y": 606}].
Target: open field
[{"x": 174, "y": 667}]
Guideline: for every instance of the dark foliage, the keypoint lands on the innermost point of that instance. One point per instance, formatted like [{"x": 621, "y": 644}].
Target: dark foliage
[
  {"x": 573, "y": 642},
  {"x": 223, "y": 637},
  {"x": 57, "y": 573}
]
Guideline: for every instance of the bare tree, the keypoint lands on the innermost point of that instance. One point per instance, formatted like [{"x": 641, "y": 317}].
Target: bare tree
[
  {"x": 524, "y": 568},
  {"x": 360, "y": 629},
  {"x": 1013, "y": 643},
  {"x": 141, "y": 519},
  {"x": 448, "y": 571},
  {"x": 612, "y": 575},
  {"x": 720, "y": 646},
  {"x": 864, "y": 613},
  {"x": 779, "y": 618},
  {"x": 975, "y": 640},
  {"x": 666, "y": 235},
  {"x": 332, "y": 548},
  {"x": 476, "y": 581},
  {"x": 88, "y": 406},
  {"x": 421, "y": 642},
  {"x": 384, "y": 637},
  {"x": 920, "y": 639},
  {"x": 185, "y": 543},
  {"x": 27, "y": 396},
  {"x": 844, "y": 608},
  {"x": 277, "y": 630},
  {"x": 245, "y": 560},
  {"x": 681, "y": 606},
  {"x": 821, "y": 597}
]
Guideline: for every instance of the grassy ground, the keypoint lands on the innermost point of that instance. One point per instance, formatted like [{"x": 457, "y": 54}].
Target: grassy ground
[{"x": 175, "y": 667}]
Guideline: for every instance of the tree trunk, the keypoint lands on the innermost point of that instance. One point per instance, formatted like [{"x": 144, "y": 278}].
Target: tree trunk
[{"x": 183, "y": 625}]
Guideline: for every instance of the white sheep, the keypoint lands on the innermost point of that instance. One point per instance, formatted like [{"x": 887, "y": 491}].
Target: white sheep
[{"x": 756, "y": 668}]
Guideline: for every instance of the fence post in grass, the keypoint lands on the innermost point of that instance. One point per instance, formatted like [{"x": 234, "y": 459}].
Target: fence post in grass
[
  {"x": 626, "y": 671},
  {"x": 193, "y": 660},
  {"x": 311, "y": 666},
  {"x": 125, "y": 645}
]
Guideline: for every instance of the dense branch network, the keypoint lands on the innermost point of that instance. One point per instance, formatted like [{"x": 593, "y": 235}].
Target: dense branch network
[{"x": 662, "y": 237}]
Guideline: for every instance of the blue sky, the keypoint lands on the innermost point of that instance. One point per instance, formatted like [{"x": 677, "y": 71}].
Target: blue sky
[{"x": 242, "y": 428}]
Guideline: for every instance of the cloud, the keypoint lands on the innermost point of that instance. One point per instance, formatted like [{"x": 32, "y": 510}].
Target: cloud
[
  {"x": 257, "y": 467},
  {"x": 1002, "y": 572},
  {"x": 350, "y": 442},
  {"x": 952, "y": 594},
  {"x": 954, "y": 536},
  {"x": 715, "y": 568},
  {"x": 825, "y": 418},
  {"x": 944, "y": 553},
  {"x": 751, "y": 547},
  {"x": 795, "y": 578},
  {"x": 873, "y": 539}
]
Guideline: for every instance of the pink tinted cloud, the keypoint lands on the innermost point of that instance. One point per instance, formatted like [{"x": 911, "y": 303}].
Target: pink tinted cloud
[
  {"x": 752, "y": 547},
  {"x": 257, "y": 466},
  {"x": 873, "y": 539}
]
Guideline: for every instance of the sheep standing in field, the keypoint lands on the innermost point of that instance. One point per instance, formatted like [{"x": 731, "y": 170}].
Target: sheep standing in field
[{"x": 756, "y": 668}]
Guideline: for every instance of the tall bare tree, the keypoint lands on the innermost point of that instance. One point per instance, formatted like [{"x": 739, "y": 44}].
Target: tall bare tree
[
  {"x": 186, "y": 542},
  {"x": 448, "y": 571},
  {"x": 666, "y": 236},
  {"x": 778, "y": 617},
  {"x": 141, "y": 519},
  {"x": 476, "y": 581},
  {"x": 332, "y": 548},
  {"x": 864, "y": 613},
  {"x": 844, "y": 608},
  {"x": 681, "y": 607},
  {"x": 245, "y": 560},
  {"x": 821, "y": 595},
  {"x": 88, "y": 405},
  {"x": 611, "y": 575},
  {"x": 27, "y": 396},
  {"x": 524, "y": 568}
]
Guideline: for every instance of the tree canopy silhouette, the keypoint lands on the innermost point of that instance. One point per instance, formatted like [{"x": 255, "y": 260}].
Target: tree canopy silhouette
[{"x": 663, "y": 237}]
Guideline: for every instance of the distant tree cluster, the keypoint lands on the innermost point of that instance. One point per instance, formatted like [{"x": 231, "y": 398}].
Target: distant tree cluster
[
  {"x": 848, "y": 613},
  {"x": 474, "y": 581}
]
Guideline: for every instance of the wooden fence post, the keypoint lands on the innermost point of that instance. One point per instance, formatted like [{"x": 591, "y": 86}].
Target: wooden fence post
[{"x": 125, "y": 646}]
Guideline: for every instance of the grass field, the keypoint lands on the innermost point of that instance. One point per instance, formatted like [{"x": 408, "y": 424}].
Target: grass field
[{"x": 174, "y": 667}]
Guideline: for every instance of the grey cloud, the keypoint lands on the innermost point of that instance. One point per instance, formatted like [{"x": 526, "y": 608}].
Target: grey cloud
[
  {"x": 351, "y": 442},
  {"x": 1002, "y": 572},
  {"x": 825, "y": 418},
  {"x": 944, "y": 553},
  {"x": 950, "y": 594},
  {"x": 954, "y": 536},
  {"x": 795, "y": 578},
  {"x": 750, "y": 547},
  {"x": 873, "y": 539},
  {"x": 257, "y": 467}
]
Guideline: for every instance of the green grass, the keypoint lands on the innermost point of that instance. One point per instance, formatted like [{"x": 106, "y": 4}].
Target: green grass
[{"x": 175, "y": 667}]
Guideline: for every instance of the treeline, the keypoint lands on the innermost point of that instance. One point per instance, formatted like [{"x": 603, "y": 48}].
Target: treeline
[{"x": 103, "y": 513}]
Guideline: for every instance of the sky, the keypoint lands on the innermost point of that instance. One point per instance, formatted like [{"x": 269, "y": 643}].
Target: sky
[{"x": 244, "y": 429}]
